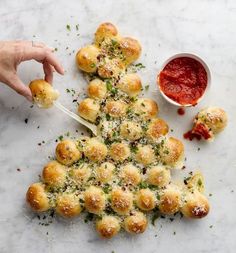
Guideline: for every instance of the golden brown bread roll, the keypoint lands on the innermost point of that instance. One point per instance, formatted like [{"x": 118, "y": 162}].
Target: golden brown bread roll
[
  {"x": 195, "y": 205},
  {"x": 43, "y": 93},
  {"x": 121, "y": 201},
  {"x": 172, "y": 153},
  {"x": 89, "y": 109},
  {"x": 170, "y": 200},
  {"x": 37, "y": 197},
  {"x": 130, "y": 130},
  {"x": 67, "y": 152},
  {"x": 131, "y": 49},
  {"x": 145, "y": 154},
  {"x": 94, "y": 200},
  {"x": 213, "y": 121},
  {"x": 68, "y": 205},
  {"x": 157, "y": 128},
  {"x": 87, "y": 58},
  {"x": 136, "y": 223},
  {"x": 116, "y": 109},
  {"x": 108, "y": 226},
  {"x": 145, "y": 199},
  {"x": 97, "y": 89},
  {"x": 95, "y": 150},
  {"x": 130, "y": 84},
  {"x": 81, "y": 173},
  {"x": 196, "y": 182},
  {"x": 119, "y": 151},
  {"x": 54, "y": 174},
  {"x": 145, "y": 108},
  {"x": 158, "y": 176},
  {"x": 109, "y": 68},
  {"x": 130, "y": 174},
  {"x": 104, "y": 31},
  {"x": 105, "y": 172}
]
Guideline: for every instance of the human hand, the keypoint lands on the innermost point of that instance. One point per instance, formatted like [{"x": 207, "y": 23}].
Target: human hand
[{"x": 12, "y": 53}]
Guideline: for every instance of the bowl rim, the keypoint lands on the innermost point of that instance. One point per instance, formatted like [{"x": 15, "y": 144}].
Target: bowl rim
[{"x": 195, "y": 57}]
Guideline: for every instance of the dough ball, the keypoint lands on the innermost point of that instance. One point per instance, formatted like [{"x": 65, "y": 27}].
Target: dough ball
[
  {"x": 172, "y": 153},
  {"x": 130, "y": 174},
  {"x": 109, "y": 68},
  {"x": 145, "y": 154},
  {"x": 131, "y": 49},
  {"x": 95, "y": 150},
  {"x": 214, "y": 118},
  {"x": 54, "y": 174},
  {"x": 97, "y": 89},
  {"x": 81, "y": 174},
  {"x": 87, "y": 58},
  {"x": 157, "y": 128},
  {"x": 67, "y": 152},
  {"x": 104, "y": 173},
  {"x": 94, "y": 200},
  {"x": 130, "y": 84},
  {"x": 107, "y": 128},
  {"x": 195, "y": 205},
  {"x": 130, "y": 130},
  {"x": 89, "y": 109},
  {"x": 37, "y": 197},
  {"x": 159, "y": 176},
  {"x": 121, "y": 201},
  {"x": 196, "y": 182},
  {"x": 136, "y": 223},
  {"x": 68, "y": 205},
  {"x": 116, "y": 109},
  {"x": 170, "y": 200},
  {"x": 43, "y": 93},
  {"x": 145, "y": 108},
  {"x": 145, "y": 199},
  {"x": 108, "y": 226},
  {"x": 119, "y": 151},
  {"x": 104, "y": 31}
]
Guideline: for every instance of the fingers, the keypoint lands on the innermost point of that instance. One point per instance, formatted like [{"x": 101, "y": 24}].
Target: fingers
[
  {"x": 41, "y": 53},
  {"x": 16, "y": 84},
  {"x": 52, "y": 60},
  {"x": 48, "y": 70}
]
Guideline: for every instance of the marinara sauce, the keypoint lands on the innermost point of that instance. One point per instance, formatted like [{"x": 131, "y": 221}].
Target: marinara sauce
[{"x": 183, "y": 80}]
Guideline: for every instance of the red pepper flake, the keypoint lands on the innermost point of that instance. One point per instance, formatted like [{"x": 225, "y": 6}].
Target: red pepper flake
[{"x": 181, "y": 111}]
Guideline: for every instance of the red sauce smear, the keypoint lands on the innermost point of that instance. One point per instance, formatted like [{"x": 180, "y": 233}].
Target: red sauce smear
[
  {"x": 199, "y": 131},
  {"x": 181, "y": 111},
  {"x": 183, "y": 80}
]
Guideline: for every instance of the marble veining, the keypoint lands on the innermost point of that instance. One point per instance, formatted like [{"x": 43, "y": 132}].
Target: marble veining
[{"x": 204, "y": 27}]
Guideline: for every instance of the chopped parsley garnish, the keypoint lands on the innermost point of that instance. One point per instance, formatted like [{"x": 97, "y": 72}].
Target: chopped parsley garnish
[
  {"x": 146, "y": 87},
  {"x": 109, "y": 85},
  {"x": 155, "y": 217},
  {"x": 139, "y": 66},
  {"x": 89, "y": 217},
  {"x": 68, "y": 27},
  {"x": 143, "y": 185},
  {"x": 60, "y": 137}
]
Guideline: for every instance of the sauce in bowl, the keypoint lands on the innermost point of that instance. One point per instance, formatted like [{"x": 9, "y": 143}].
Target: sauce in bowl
[{"x": 183, "y": 80}]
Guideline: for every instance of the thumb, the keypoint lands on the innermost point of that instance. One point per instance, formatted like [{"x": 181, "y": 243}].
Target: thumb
[{"x": 17, "y": 85}]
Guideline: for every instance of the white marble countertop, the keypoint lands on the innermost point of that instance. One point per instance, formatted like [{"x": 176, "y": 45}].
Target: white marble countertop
[{"x": 204, "y": 27}]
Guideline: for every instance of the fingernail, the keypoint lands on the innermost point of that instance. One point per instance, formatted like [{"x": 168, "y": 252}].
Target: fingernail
[
  {"x": 52, "y": 48},
  {"x": 29, "y": 98}
]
